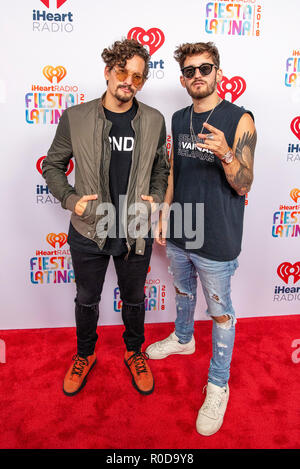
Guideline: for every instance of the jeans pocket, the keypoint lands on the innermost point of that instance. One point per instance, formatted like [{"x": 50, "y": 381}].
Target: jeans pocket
[{"x": 233, "y": 266}]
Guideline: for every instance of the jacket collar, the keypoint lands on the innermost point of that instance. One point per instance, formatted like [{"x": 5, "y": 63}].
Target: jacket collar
[{"x": 101, "y": 109}]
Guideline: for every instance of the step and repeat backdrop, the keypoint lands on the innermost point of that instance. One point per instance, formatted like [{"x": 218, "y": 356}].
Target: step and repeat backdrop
[{"x": 51, "y": 59}]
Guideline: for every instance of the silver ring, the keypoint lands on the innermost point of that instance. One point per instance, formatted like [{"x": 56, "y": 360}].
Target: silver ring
[{"x": 209, "y": 136}]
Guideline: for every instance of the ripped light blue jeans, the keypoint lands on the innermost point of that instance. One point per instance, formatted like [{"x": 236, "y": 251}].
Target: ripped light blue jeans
[{"x": 215, "y": 278}]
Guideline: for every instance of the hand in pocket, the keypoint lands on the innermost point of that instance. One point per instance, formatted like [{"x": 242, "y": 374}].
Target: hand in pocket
[{"x": 82, "y": 203}]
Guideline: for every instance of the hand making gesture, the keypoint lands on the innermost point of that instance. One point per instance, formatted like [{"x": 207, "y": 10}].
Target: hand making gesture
[{"x": 215, "y": 141}]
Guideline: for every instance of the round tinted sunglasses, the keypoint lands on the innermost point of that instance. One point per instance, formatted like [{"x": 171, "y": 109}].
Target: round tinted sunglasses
[
  {"x": 204, "y": 69},
  {"x": 122, "y": 74}
]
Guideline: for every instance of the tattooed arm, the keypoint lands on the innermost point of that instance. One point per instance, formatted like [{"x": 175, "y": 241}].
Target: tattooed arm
[{"x": 239, "y": 172}]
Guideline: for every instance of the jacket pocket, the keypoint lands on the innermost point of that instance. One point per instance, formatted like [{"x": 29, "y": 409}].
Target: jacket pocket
[{"x": 89, "y": 213}]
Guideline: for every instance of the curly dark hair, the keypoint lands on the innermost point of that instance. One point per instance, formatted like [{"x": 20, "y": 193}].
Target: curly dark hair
[
  {"x": 121, "y": 51},
  {"x": 188, "y": 49}
]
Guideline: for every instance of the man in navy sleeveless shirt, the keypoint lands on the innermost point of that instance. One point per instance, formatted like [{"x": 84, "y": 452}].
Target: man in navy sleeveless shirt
[{"x": 211, "y": 171}]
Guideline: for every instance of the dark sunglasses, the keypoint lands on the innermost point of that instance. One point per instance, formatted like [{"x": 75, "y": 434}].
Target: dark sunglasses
[{"x": 204, "y": 69}]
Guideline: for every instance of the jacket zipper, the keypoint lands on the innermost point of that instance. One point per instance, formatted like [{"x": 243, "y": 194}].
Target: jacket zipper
[
  {"x": 104, "y": 131},
  {"x": 126, "y": 199}
]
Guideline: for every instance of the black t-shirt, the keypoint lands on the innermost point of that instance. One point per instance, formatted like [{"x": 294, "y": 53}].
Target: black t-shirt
[
  {"x": 121, "y": 138},
  {"x": 199, "y": 177}
]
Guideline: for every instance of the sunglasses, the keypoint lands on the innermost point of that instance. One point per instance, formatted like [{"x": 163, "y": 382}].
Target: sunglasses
[
  {"x": 122, "y": 74},
  {"x": 204, "y": 69}
]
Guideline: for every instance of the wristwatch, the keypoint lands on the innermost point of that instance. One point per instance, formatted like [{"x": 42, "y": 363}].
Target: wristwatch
[{"x": 228, "y": 157}]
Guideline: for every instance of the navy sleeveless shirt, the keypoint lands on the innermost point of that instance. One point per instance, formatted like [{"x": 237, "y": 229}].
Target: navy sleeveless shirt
[{"x": 199, "y": 178}]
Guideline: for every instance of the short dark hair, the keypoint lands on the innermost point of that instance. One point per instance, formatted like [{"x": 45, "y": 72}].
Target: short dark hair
[
  {"x": 121, "y": 51},
  {"x": 185, "y": 50}
]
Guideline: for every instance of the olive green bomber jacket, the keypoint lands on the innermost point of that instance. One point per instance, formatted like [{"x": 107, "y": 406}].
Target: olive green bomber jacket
[{"x": 83, "y": 133}]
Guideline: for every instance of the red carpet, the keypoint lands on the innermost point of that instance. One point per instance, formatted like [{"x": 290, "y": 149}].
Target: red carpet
[{"x": 263, "y": 410}]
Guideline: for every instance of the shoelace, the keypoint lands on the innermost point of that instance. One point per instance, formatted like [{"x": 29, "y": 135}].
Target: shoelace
[
  {"x": 79, "y": 364},
  {"x": 212, "y": 402},
  {"x": 139, "y": 361}
]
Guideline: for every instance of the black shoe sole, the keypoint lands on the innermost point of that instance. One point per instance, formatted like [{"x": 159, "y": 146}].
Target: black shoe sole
[
  {"x": 145, "y": 393},
  {"x": 82, "y": 384}
]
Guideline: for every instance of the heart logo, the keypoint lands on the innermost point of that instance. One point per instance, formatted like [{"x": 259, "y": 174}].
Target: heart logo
[
  {"x": 295, "y": 194},
  {"x": 53, "y": 238},
  {"x": 59, "y": 3},
  {"x": 295, "y": 126},
  {"x": 153, "y": 38},
  {"x": 58, "y": 72},
  {"x": 235, "y": 86},
  {"x": 286, "y": 269},
  {"x": 41, "y": 159}
]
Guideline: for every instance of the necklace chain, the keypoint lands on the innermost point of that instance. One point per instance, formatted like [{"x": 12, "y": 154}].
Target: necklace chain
[{"x": 192, "y": 132}]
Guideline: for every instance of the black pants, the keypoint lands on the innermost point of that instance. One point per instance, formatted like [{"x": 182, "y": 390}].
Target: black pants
[{"x": 90, "y": 270}]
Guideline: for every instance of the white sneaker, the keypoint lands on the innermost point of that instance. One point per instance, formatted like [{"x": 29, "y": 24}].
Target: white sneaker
[
  {"x": 211, "y": 414},
  {"x": 169, "y": 346}
]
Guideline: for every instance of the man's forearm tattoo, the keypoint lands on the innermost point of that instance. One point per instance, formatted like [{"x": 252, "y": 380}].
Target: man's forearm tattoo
[{"x": 241, "y": 181}]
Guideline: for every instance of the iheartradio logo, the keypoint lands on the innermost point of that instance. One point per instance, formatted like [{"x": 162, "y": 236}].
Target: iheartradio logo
[
  {"x": 286, "y": 269},
  {"x": 295, "y": 126},
  {"x": 52, "y": 266},
  {"x": 53, "y": 238},
  {"x": 58, "y": 72},
  {"x": 59, "y": 3},
  {"x": 52, "y": 22},
  {"x": 41, "y": 159},
  {"x": 235, "y": 86},
  {"x": 152, "y": 39},
  {"x": 295, "y": 194}
]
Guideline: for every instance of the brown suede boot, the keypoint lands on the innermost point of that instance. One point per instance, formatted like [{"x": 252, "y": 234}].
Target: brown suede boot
[
  {"x": 142, "y": 378},
  {"x": 76, "y": 375}
]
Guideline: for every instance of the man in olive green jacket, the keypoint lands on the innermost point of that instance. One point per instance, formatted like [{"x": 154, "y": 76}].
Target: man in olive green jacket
[{"x": 121, "y": 172}]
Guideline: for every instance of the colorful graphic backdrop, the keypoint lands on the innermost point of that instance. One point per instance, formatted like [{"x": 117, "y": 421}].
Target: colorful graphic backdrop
[{"x": 51, "y": 59}]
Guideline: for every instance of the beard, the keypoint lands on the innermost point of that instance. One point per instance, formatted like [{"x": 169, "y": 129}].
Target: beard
[
  {"x": 203, "y": 93},
  {"x": 124, "y": 98}
]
